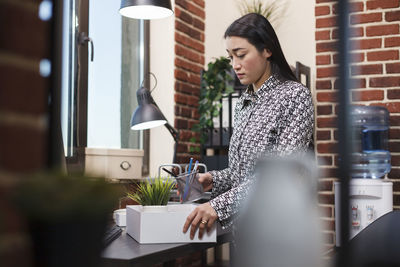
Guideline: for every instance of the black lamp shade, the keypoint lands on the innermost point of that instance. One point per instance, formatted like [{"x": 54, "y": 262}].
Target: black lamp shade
[
  {"x": 146, "y": 9},
  {"x": 147, "y": 115}
]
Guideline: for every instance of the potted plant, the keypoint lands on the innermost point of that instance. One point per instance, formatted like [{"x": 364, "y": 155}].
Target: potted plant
[
  {"x": 274, "y": 11},
  {"x": 66, "y": 216},
  {"x": 216, "y": 82},
  {"x": 153, "y": 194}
]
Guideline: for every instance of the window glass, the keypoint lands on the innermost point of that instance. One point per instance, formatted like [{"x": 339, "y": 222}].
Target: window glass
[{"x": 114, "y": 76}]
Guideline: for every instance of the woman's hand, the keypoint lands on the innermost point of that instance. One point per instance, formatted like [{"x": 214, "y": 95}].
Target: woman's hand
[
  {"x": 202, "y": 217},
  {"x": 206, "y": 180}
]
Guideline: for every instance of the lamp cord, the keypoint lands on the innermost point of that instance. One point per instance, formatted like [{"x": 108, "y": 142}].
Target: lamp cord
[{"x": 155, "y": 78}]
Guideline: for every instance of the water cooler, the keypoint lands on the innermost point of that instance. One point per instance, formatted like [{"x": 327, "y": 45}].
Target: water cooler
[{"x": 370, "y": 196}]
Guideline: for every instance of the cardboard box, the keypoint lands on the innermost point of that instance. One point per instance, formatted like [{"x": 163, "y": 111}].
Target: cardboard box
[
  {"x": 163, "y": 227},
  {"x": 114, "y": 163}
]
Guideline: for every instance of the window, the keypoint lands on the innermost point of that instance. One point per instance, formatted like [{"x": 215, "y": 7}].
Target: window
[{"x": 98, "y": 96}]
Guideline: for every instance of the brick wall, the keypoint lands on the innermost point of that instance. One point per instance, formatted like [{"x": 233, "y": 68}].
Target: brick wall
[
  {"x": 189, "y": 61},
  {"x": 375, "y": 70},
  {"x": 24, "y": 41}
]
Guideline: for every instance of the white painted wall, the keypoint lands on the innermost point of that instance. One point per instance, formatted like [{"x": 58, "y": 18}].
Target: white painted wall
[{"x": 162, "y": 55}]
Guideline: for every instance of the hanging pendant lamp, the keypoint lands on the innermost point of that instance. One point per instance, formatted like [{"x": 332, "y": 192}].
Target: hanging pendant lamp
[{"x": 146, "y": 9}]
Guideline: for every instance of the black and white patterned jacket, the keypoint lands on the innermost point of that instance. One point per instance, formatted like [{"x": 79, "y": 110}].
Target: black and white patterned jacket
[{"x": 278, "y": 119}]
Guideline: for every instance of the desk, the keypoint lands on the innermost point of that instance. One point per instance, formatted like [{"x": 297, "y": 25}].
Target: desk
[{"x": 125, "y": 251}]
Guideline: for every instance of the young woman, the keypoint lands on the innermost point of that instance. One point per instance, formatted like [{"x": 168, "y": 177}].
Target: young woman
[{"x": 274, "y": 116}]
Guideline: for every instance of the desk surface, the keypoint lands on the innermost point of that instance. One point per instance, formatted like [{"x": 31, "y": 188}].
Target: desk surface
[{"x": 126, "y": 251}]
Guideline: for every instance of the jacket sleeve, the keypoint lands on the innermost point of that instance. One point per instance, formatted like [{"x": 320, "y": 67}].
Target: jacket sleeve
[
  {"x": 227, "y": 205},
  {"x": 221, "y": 182},
  {"x": 297, "y": 124}
]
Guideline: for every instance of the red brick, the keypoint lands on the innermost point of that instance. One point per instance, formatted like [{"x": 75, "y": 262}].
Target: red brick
[
  {"x": 395, "y": 159},
  {"x": 323, "y": 35},
  {"x": 326, "y": 198},
  {"x": 366, "y": 43},
  {"x": 393, "y": 68},
  {"x": 181, "y": 99},
  {"x": 193, "y": 101},
  {"x": 187, "y": 53},
  {"x": 353, "y": 7},
  {"x": 354, "y": 32},
  {"x": 181, "y": 123},
  {"x": 394, "y": 120},
  {"x": 326, "y": 122},
  {"x": 191, "y": 43},
  {"x": 380, "y": 30},
  {"x": 382, "y": 4},
  {"x": 393, "y": 94},
  {"x": 200, "y": 3},
  {"x": 366, "y": 69},
  {"x": 394, "y": 134},
  {"x": 182, "y": 27},
  {"x": 394, "y": 173},
  {"x": 384, "y": 82},
  {"x": 323, "y": 59},
  {"x": 323, "y": 85},
  {"x": 323, "y": 135},
  {"x": 394, "y": 146},
  {"x": 365, "y": 18},
  {"x": 182, "y": 148},
  {"x": 30, "y": 38},
  {"x": 183, "y": 15},
  {"x": 392, "y": 16},
  {"x": 354, "y": 83},
  {"x": 184, "y": 112},
  {"x": 383, "y": 55},
  {"x": 367, "y": 95},
  {"x": 322, "y": 10},
  {"x": 324, "y": 161},
  {"x": 393, "y": 107},
  {"x": 196, "y": 10},
  {"x": 187, "y": 65},
  {"x": 22, "y": 144},
  {"x": 326, "y": 72},
  {"x": 324, "y": 110},
  {"x": 396, "y": 186},
  {"x": 327, "y": 47},
  {"x": 199, "y": 24},
  {"x": 396, "y": 200},
  {"x": 325, "y": 22},
  {"x": 354, "y": 58},
  {"x": 392, "y": 41},
  {"x": 186, "y": 88}
]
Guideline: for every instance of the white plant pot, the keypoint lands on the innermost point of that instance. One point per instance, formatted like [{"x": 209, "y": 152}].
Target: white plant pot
[{"x": 157, "y": 209}]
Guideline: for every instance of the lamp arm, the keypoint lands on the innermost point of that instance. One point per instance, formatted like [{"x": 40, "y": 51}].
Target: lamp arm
[{"x": 173, "y": 131}]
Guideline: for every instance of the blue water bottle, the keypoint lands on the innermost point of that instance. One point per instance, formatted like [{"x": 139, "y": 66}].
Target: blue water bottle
[{"x": 371, "y": 156}]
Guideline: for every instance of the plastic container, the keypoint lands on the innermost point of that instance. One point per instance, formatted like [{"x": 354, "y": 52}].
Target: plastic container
[{"x": 371, "y": 156}]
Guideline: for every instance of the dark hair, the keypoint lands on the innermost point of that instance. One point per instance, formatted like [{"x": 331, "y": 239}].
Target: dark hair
[{"x": 259, "y": 32}]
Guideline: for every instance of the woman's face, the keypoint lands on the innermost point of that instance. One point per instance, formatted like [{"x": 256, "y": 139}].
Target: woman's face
[{"x": 250, "y": 65}]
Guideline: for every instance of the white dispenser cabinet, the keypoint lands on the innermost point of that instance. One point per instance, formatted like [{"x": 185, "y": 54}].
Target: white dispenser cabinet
[{"x": 369, "y": 199}]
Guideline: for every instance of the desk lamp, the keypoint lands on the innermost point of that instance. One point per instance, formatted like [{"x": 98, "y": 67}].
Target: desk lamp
[
  {"x": 146, "y": 9},
  {"x": 148, "y": 115}
]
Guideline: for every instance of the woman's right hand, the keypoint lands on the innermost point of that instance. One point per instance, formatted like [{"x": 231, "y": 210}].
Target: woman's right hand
[{"x": 206, "y": 180}]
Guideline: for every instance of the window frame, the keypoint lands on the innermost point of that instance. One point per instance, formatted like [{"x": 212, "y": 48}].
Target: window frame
[{"x": 76, "y": 162}]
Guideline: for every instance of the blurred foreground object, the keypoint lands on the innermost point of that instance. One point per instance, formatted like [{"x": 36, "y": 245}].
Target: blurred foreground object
[
  {"x": 279, "y": 225},
  {"x": 66, "y": 217}
]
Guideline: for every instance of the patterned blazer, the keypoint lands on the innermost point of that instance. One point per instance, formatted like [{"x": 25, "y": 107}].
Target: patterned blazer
[{"x": 278, "y": 119}]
